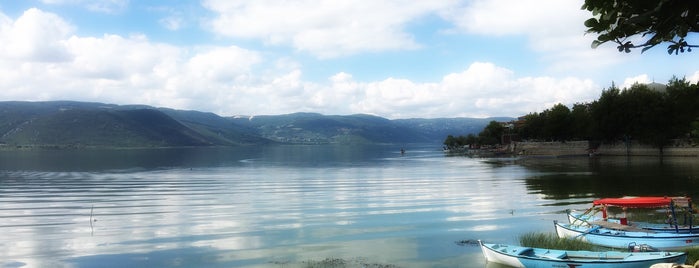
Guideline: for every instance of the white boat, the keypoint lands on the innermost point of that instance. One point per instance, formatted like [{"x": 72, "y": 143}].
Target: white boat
[
  {"x": 517, "y": 256},
  {"x": 587, "y": 219},
  {"x": 673, "y": 205},
  {"x": 621, "y": 236}
]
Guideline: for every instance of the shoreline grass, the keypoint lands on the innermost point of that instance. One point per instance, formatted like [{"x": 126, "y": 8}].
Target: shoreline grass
[{"x": 547, "y": 240}]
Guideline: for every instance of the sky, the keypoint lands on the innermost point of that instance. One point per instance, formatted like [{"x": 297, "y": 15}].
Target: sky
[{"x": 391, "y": 58}]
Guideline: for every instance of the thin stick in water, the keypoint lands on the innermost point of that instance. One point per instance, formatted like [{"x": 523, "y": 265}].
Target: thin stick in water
[{"x": 92, "y": 230}]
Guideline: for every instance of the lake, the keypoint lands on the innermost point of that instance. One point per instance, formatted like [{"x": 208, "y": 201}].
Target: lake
[{"x": 294, "y": 206}]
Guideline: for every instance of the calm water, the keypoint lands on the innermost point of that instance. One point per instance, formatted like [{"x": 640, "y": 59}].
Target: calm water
[{"x": 286, "y": 206}]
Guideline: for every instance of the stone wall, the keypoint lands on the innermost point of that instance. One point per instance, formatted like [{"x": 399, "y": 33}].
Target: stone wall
[
  {"x": 582, "y": 148},
  {"x": 570, "y": 148},
  {"x": 636, "y": 149}
]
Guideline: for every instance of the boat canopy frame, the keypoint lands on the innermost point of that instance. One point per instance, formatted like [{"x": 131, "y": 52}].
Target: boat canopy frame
[{"x": 685, "y": 203}]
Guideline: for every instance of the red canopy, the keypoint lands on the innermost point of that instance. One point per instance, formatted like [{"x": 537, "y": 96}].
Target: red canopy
[{"x": 641, "y": 202}]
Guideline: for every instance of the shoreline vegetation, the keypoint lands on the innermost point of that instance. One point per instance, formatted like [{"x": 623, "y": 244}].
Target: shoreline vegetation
[
  {"x": 576, "y": 149},
  {"x": 642, "y": 120}
]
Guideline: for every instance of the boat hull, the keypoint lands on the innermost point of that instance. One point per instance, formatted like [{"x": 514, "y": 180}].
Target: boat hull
[
  {"x": 547, "y": 258},
  {"x": 622, "y": 239}
]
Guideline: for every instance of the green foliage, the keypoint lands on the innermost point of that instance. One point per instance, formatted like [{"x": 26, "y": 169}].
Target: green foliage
[
  {"x": 460, "y": 141},
  {"x": 652, "y": 114},
  {"x": 692, "y": 255},
  {"x": 581, "y": 121},
  {"x": 558, "y": 122},
  {"x": 491, "y": 134},
  {"x": 551, "y": 241},
  {"x": 604, "y": 114},
  {"x": 551, "y": 124},
  {"x": 654, "y": 22},
  {"x": 533, "y": 127}
]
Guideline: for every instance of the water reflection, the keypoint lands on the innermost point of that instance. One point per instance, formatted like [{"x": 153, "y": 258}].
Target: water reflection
[
  {"x": 281, "y": 206},
  {"x": 574, "y": 180}
]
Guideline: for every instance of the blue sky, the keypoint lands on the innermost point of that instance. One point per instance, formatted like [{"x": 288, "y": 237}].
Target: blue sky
[{"x": 396, "y": 59}]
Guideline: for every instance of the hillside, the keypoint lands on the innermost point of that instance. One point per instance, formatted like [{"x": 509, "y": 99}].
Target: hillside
[
  {"x": 317, "y": 128},
  {"x": 64, "y": 124},
  {"x": 69, "y": 124}
]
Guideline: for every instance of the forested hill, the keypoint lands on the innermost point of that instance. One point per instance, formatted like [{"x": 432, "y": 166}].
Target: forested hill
[{"x": 65, "y": 124}]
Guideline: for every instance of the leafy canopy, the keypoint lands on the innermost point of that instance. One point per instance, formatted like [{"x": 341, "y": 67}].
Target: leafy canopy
[{"x": 654, "y": 22}]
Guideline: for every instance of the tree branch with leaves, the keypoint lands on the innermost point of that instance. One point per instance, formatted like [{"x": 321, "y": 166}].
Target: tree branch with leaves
[{"x": 653, "y": 22}]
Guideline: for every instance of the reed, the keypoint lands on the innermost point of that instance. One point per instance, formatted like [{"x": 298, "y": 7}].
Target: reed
[
  {"x": 692, "y": 255},
  {"x": 547, "y": 240}
]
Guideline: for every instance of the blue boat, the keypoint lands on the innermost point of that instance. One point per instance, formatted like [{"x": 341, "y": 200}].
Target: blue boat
[
  {"x": 621, "y": 236},
  {"x": 517, "y": 256}
]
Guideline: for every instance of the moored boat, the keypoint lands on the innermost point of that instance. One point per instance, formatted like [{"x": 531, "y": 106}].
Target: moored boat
[
  {"x": 673, "y": 205},
  {"x": 518, "y": 256},
  {"x": 621, "y": 236},
  {"x": 580, "y": 218}
]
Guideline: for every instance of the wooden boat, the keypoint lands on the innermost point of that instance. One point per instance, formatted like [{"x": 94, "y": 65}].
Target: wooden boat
[
  {"x": 672, "y": 204},
  {"x": 518, "y": 256},
  {"x": 614, "y": 235}
]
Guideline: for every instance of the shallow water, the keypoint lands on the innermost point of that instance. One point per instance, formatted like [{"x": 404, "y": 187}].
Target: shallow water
[{"x": 288, "y": 206}]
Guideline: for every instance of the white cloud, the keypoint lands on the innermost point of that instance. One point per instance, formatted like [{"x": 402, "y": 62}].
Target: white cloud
[
  {"x": 553, "y": 28},
  {"x": 694, "y": 78},
  {"x": 222, "y": 64},
  {"x": 479, "y": 91},
  {"x": 231, "y": 80},
  {"x": 639, "y": 79},
  {"x": 111, "y": 68},
  {"x": 34, "y": 36},
  {"x": 323, "y": 28}
]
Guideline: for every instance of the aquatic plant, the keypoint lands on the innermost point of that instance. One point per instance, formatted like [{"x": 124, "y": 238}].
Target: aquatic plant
[{"x": 548, "y": 240}]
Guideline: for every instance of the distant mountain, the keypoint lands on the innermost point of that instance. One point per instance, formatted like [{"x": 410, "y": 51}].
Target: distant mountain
[
  {"x": 317, "y": 128},
  {"x": 82, "y": 124},
  {"x": 437, "y": 129},
  {"x": 218, "y": 130}
]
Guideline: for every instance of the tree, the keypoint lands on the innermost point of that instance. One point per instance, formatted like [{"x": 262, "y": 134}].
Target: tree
[
  {"x": 558, "y": 122},
  {"x": 683, "y": 98},
  {"x": 606, "y": 115},
  {"x": 532, "y": 128},
  {"x": 492, "y": 133},
  {"x": 460, "y": 141},
  {"x": 581, "y": 121},
  {"x": 654, "y": 22},
  {"x": 645, "y": 114}
]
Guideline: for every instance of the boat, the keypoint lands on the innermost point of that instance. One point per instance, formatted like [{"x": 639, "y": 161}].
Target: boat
[
  {"x": 673, "y": 206},
  {"x": 580, "y": 218},
  {"x": 616, "y": 235},
  {"x": 518, "y": 256}
]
